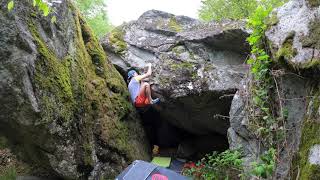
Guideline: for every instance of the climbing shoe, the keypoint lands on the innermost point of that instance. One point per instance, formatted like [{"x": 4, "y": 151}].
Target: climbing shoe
[{"x": 155, "y": 101}]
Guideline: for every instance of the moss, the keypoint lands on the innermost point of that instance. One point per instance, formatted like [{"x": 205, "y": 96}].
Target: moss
[
  {"x": 208, "y": 67},
  {"x": 81, "y": 90},
  {"x": 53, "y": 78},
  {"x": 312, "y": 64},
  {"x": 93, "y": 48},
  {"x": 272, "y": 19},
  {"x": 164, "y": 80},
  {"x": 287, "y": 51},
  {"x": 174, "y": 25},
  {"x": 116, "y": 38},
  {"x": 194, "y": 75},
  {"x": 181, "y": 66},
  {"x": 314, "y": 3},
  {"x": 312, "y": 40},
  {"x": 108, "y": 97},
  {"x": 178, "y": 50},
  {"x": 309, "y": 138},
  {"x": 87, "y": 148}
]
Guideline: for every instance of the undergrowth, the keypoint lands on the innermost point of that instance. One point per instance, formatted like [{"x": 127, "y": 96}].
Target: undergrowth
[
  {"x": 9, "y": 174},
  {"x": 226, "y": 165}
]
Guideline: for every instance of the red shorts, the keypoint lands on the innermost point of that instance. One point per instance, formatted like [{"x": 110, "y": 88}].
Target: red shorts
[{"x": 141, "y": 101}]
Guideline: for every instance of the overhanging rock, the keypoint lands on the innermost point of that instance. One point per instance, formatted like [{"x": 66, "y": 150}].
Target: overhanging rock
[{"x": 196, "y": 66}]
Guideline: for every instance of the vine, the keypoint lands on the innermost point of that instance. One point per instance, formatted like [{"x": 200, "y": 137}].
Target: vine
[
  {"x": 263, "y": 120},
  {"x": 260, "y": 64}
]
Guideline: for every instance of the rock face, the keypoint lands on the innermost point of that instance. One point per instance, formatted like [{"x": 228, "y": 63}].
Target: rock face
[
  {"x": 293, "y": 89},
  {"x": 295, "y": 36},
  {"x": 294, "y": 43},
  {"x": 197, "y": 67},
  {"x": 64, "y": 107}
]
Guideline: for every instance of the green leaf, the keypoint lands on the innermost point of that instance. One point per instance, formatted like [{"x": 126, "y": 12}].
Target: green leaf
[
  {"x": 53, "y": 19},
  {"x": 46, "y": 9},
  {"x": 10, "y": 5},
  {"x": 259, "y": 170},
  {"x": 250, "y": 61},
  {"x": 37, "y": 2}
]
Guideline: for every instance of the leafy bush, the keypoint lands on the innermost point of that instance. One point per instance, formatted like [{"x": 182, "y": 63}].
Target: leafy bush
[
  {"x": 266, "y": 167},
  {"x": 225, "y": 165},
  {"x": 232, "y": 9}
]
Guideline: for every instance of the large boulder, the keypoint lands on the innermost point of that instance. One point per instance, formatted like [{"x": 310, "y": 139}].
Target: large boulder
[
  {"x": 64, "y": 107},
  {"x": 197, "y": 66},
  {"x": 293, "y": 38}
]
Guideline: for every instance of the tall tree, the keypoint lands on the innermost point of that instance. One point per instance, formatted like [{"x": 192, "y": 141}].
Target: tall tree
[
  {"x": 232, "y": 9},
  {"x": 96, "y": 15}
]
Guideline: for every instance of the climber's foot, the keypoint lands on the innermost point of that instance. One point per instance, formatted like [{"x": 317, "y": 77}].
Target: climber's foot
[{"x": 155, "y": 101}]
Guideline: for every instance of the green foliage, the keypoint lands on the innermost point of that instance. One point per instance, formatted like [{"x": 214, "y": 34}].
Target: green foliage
[
  {"x": 225, "y": 165},
  {"x": 53, "y": 19},
  {"x": 43, "y": 6},
  {"x": 264, "y": 122},
  {"x": 95, "y": 12},
  {"x": 286, "y": 51},
  {"x": 267, "y": 165},
  {"x": 9, "y": 174},
  {"x": 232, "y": 9},
  {"x": 10, "y": 5},
  {"x": 260, "y": 64}
]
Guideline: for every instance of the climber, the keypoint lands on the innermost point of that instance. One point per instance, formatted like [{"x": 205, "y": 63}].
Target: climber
[{"x": 140, "y": 92}]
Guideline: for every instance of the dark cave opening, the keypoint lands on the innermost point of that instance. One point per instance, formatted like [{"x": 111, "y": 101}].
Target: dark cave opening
[{"x": 177, "y": 142}]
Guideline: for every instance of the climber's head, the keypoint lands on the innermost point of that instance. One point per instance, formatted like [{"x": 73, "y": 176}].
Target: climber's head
[{"x": 132, "y": 74}]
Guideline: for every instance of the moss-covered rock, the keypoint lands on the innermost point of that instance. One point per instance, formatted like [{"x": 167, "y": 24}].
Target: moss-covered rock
[
  {"x": 314, "y": 3},
  {"x": 312, "y": 40},
  {"x": 302, "y": 167},
  {"x": 116, "y": 39},
  {"x": 287, "y": 52},
  {"x": 272, "y": 19},
  {"x": 65, "y": 107},
  {"x": 174, "y": 25},
  {"x": 301, "y": 51}
]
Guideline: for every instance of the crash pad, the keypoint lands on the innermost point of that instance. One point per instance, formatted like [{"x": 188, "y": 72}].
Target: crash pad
[
  {"x": 141, "y": 170},
  {"x": 161, "y": 161}
]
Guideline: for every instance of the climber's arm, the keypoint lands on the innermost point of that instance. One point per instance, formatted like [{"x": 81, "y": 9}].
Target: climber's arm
[{"x": 146, "y": 75}]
